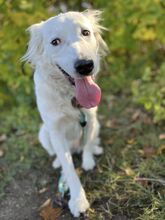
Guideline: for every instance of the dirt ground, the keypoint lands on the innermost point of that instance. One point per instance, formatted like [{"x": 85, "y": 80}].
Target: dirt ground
[{"x": 22, "y": 200}]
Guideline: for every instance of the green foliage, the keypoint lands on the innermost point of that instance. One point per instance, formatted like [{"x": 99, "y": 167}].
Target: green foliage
[
  {"x": 135, "y": 36},
  {"x": 15, "y": 17},
  {"x": 150, "y": 91}
]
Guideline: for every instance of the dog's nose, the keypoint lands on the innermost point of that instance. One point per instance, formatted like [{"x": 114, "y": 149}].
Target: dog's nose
[{"x": 84, "y": 67}]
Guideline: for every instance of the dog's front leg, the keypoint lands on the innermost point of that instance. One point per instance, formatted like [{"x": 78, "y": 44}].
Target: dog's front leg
[
  {"x": 91, "y": 147},
  {"x": 78, "y": 202}
]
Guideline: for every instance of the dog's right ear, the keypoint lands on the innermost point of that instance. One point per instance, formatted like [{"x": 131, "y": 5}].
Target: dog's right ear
[
  {"x": 35, "y": 45},
  {"x": 95, "y": 17}
]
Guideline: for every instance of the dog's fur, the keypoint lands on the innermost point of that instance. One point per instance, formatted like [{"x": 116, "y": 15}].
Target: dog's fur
[{"x": 61, "y": 132}]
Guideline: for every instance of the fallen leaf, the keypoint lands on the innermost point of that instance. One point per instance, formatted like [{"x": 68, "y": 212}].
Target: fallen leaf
[
  {"x": 1, "y": 152},
  {"x": 79, "y": 171},
  {"x": 101, "y": 117},
  {"x": 48, "y": 212},
  {"x": 143, "y": 117},
  {"x": 162, "y": 136},
  {"x": 2, "y": 170},
  {"x": 108, "y": 124},
  {"x": 130, "y": 141},
  {"x": 136, "y": 115},
  {"x": 129, "y": 171},
  {"x": 146, "y": 119},
  {"x": 141, "y": 181},
  {"x": 46, "y": 203},
  {"x": 161, "y": 149},
  {"x": 3, "y": 137},
  {"x": 20, "y": 133},
  {"x": 108, "y": 142},
  {"x": 91, "y": 210},
  {"x": 111, "y": 123},
  {"x": 149, "y": 151},
  {"x": 42, "y": 190},
  {"x": 22, "y": 158}
]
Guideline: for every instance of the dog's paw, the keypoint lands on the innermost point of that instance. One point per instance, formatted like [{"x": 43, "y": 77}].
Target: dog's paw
[
  {"x": 78, "y": 205},
  {"x": 56, "y": 164},
  {"x": 97, "y": 150},
  {"x": 88, "y": 162}
]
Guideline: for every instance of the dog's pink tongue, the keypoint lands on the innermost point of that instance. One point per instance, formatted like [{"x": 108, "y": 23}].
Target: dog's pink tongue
[{"x": 88, "y": 93}]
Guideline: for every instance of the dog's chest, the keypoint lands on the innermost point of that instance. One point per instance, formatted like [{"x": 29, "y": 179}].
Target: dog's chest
[{"x": 54, "y": 93}]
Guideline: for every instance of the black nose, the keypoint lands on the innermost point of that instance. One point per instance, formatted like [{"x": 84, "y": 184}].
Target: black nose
[{"x": 84, "y": 67}]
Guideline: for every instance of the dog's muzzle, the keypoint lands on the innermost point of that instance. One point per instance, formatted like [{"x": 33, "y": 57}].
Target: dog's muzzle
[
  {"x": 71, "y": 80},
  {"x": 87, "y": 92}
]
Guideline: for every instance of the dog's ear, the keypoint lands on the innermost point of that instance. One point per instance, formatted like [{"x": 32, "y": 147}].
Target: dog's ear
[
  {"x": 95, "y": 17},
  {"x": 35, "y": 45}
]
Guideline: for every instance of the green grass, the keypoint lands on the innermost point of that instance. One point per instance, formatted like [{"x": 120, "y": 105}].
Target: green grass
[
  {"x": 21, "y": 147},
  {"x": 112, "y": 187}
]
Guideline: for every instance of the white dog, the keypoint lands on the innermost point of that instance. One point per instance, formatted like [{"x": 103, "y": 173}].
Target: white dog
[{"x": 65, "y": 52}]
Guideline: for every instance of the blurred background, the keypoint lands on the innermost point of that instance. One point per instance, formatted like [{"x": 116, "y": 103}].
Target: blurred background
[
  {"x": 128, "y": 182},
  {"x": 135, "y": 36}
]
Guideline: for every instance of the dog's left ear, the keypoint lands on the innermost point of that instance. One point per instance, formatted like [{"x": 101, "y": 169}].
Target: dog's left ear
[
  {"x": 35, "y": 45},
  {"x": 95, "y": 17}
]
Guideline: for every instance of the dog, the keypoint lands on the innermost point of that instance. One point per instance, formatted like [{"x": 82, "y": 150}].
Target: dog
[{"x": 65, "y": 52}]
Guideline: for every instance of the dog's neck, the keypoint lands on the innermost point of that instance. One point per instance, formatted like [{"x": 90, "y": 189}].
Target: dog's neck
[{"x": 57, "y": 84}]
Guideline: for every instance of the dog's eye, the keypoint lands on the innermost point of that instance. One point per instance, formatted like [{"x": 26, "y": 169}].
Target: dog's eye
[
  {"x": 85, "y": 32},
  {"x": 56, "y": 42}
]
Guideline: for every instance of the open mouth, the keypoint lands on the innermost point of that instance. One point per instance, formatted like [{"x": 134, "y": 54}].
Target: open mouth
[
  {"x": 87, "y": 92},
  {"x": 71, "y": 80}
]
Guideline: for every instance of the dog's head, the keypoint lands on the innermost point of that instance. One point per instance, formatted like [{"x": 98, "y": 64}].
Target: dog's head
[{"x": 71, "y": 41}]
